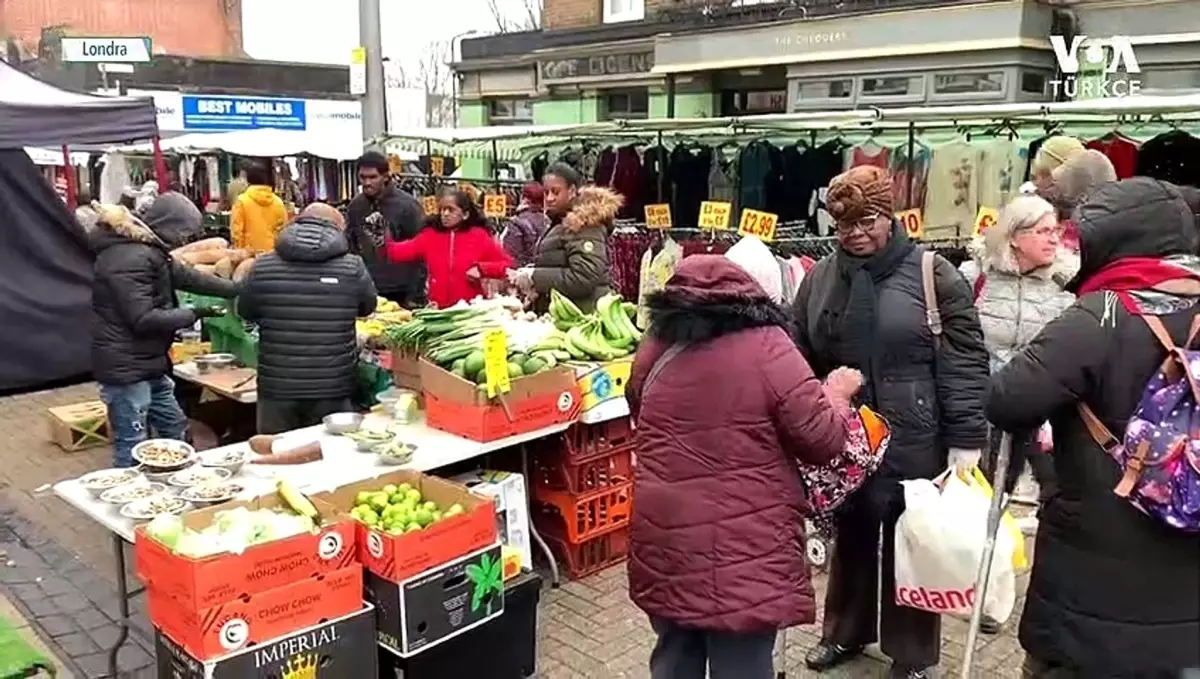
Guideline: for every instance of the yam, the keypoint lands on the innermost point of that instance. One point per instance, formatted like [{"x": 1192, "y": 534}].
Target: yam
[
  {"x": 309, "y": 452},
  {"x": 224, "y": 268},
  {"x": 243, "y": 270},
  {"x": 261, "y": 444},
  {"x": 210, "y": 269},
  {"x": 239, "y": 256},
  {"x": 203, "y": 256},
  {"x": 200, "y": 245}
]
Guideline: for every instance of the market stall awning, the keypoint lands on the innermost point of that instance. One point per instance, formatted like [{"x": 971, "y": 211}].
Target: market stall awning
[
  {"x": 36, "y": 113},
  {"x": 260, "y": 143}
]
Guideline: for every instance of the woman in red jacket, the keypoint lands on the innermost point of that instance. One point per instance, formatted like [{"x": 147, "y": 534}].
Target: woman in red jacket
[{"x": 458, "y": 250}]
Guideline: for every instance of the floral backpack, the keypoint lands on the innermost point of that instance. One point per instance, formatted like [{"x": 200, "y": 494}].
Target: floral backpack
[{"x": 1160, "y": 455}]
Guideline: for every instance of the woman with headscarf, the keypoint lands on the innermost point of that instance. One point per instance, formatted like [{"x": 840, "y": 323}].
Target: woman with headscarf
[
  {"x": 726, "y": 408},
  {"x": 1114, "y": 592},
  {"x": 525, "y": 229},
  {"x": 864, "y": 306}
]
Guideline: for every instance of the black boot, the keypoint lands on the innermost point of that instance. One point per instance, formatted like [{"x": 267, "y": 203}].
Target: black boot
[
  {"x": 989, "y": 626},
  {"x": 826, "y": 656}
]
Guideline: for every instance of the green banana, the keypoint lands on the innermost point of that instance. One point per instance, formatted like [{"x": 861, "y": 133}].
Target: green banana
[
  {"x": 575, "y": 342},
  {"x": 607, "y": 308},
  {"x": 547, "y": 356},
  {"x": 563, "y": 309}
]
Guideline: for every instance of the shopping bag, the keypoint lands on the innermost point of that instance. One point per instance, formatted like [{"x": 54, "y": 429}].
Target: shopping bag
[
  {"x": 940, "y": 541},
  {"x": 1007, "y": 523}
]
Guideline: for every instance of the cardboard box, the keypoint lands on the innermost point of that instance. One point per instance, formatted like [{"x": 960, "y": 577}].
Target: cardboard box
[
  {"x": 406, "y": 370},
  {"x": 433, "y": 607},
  {"x": 601, "y": 382},
  {"x": 512, "y": 507},
  {"x": 458, "y": 406},
  {"x": 398, "y": 557},
  {"x": 79, "y": 426},
  {"x": 342, "y": 647},
  {"x": 253, "y": 620},
  {"x": 213, "y": 580},
  {"x": 182, "y": 352}
]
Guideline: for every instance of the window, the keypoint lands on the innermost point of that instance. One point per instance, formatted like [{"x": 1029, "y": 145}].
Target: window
[
  {"x": 510, "y": 112},
  {"x": 1171, "y": 79},
  {"x": 892, "y": 86},
  {"x": 753, "y": 102},
  {"x": 1033, "y": 82},
  {"x": 989, "y": 82},
  {"x": 616, "y": 11},
  {"x": 628, "y": 104},
  {"x": 824, "y": 90}
]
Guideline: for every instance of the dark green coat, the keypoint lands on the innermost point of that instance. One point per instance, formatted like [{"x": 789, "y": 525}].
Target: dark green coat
[{"x": 573, "y": 255}]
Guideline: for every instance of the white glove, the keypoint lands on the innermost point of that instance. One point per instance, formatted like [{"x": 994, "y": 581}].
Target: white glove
[
  {"x": 964, "y": 461},
  {"x": 522, "y": 278}
]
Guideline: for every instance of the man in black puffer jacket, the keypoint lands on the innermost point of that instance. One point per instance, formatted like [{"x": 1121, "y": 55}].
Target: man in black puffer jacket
[
  {"x": 135, "y": 317},
  {"x": 305, "y": 297}
]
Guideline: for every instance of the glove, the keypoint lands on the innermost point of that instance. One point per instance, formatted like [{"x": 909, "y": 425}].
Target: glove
[
  {"x": 965, "y": 461},
  {"x": 208, "y": 311},
  {"x": 522, "y": 278}
]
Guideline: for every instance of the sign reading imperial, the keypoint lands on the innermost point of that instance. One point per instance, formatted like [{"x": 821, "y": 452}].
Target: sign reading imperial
[{"x": 598, "y": 66}]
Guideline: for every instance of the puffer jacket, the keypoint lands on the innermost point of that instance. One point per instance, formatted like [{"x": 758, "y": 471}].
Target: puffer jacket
[
  {"x": 258, "y": 216},
  {"x": 1113, "y": 593},
  {"x": 305, "y": 297},
  {"x": 573, "y": 253},
  {"x": 717, "y": 538},
  {"x": 522, "y": 234},
  {"x": 134, "y": 311},
  {"x": 371, "y": 223},
  {"x": 1013, "y": 306}
]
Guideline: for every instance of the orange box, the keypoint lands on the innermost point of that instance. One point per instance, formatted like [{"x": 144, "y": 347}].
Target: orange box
[
  {"x": 400, "y": 556},
  {"x": 219, "y": 630},
  {"x": 458, "y": 406},
  {"x": 201, "y": 583}
]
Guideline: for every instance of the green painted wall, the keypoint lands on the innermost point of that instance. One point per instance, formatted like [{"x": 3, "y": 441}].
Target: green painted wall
[
  {"x": 566, "y": 111},
  {"x": 687, "y": 104},
  {"x": 473, "y": 114}
]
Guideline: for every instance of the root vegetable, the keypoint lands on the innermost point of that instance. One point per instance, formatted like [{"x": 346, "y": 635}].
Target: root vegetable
[
  {"x": 224, "y": 268},
  {"x": 204, "y": 256},
  {"x": 206, "y": 244},
  {"x": 239, "y": 256},
  {"x": 261, "y": 444},
  {"x": 206, "y": 268},
  {"x": 243, "y": 270},
  {"x": 309, "y": 452}
]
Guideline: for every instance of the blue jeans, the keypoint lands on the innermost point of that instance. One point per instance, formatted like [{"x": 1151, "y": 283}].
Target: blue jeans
[{"x": 134, "y": 409}]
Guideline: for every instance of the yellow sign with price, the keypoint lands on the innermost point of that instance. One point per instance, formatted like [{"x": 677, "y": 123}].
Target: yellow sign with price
[
  {"x": 913, "y": 225},
  {"x": 758, "y": 224},
  {"x": 658, "y": 216},
  {"x": 429, "y": 203},
  {"x": 985, "y": 218},
  {"x": 437, "y": 166},
  {"x": 495, "y": 362},
  {"x": 714, "y": 214},
  {"x": 495, "y": 205}
]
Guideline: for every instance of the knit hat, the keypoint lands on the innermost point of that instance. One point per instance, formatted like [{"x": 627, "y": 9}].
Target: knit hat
[
  {"x": 1054, "y": 152},
  {"x": 756, "y": 259},
  {"x": 860, "y": 192}
]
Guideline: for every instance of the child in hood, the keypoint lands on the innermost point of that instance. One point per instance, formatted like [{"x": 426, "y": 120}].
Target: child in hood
[{"x": 458, "y": 250}]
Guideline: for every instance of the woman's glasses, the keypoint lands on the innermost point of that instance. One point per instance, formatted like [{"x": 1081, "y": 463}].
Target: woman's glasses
[{"x": 866, "y": 225}]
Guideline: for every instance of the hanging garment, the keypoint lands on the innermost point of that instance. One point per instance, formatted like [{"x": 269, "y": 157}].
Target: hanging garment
[
  {"x": 754, "y": 165},
  {"x": 722, "y": 177},
  {"x": 952, "y": 191},
  {"x": 689, "y": 171},
  {"x": 656, "y": 179},
  {"x": 625, "y": 249},
  {"x": 903, "y": 172},
  {"x": 1171, "y": 157},
  {"x": 537, "y": 166},
  {"x": 827, "y": 162},
  {"x": 1001, "y": 163},
  {"x": 1122, "y": 151},
  {"x": 114, "y": 178},
  {"x": 799, "y": 179},
  {"x": 605, "y": 167},
  {"x": 870, "y": 153},
  {"x": 656, "y": 270},
  {"x": 627, "y": 181}
]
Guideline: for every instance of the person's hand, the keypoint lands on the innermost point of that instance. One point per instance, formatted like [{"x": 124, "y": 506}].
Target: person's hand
[
  {"x": 965, "y": 461},
  {"x": 474, "y": 274},
  {"x": 522, "y": 278},
  {"x": 208, "y": 311},
  {"x": 844, "y": 383}
]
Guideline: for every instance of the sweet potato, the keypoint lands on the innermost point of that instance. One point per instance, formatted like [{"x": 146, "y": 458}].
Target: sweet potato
[
  {"x": 243, "y": 269},
  {"x": 211, "y": 256},
  {"x": 224, "y": 268},
  {"x": 206, "y": 244},
  {"x": 261, "y": 444},
  {"x": 309, "y": 452},
  {"x": 239, "y": 256},
  {"x": 206, "y": 268}
]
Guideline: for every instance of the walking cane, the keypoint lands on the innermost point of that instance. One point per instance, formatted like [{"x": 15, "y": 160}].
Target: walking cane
[{"x": 995, "y": 512}]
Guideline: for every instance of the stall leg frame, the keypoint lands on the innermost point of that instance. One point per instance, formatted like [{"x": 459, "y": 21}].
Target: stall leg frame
[
  {"x": 124, "y": 596},
  {"x": 525, "y": 469},
  {"x": 995, "y": 514}
]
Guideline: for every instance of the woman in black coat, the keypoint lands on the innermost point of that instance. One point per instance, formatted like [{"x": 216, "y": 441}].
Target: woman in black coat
[{"x": 1114, "y": 593}]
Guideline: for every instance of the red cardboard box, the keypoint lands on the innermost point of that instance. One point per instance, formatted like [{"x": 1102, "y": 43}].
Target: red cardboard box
[
  {"x": 201, "y": 583},
  {"x": 219, "y": 630},
  {"x": 458, "y": 406},
  {"x": 399, "y": 556}
]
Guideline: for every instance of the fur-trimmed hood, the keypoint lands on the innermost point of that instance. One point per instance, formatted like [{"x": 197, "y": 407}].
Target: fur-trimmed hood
[
  {"x": 116, "y": 224},
  {"x": 708, "y": 297},
  {"x": 594, "y": 206}
]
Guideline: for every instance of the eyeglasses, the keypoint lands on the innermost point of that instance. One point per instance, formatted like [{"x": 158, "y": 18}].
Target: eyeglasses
[
  {"x": 865, "y": 224},
  {"x": 1042, "y": 232}
]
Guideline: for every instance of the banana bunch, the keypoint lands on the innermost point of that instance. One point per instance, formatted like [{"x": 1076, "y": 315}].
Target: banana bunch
[
  {"x": 384, "y": 305},
  {"x": 393, "y": 317},
  {"x": 564, "y": 312},
  {"x": 369, "y": 328},
  {"x": 603, "y": 336}
]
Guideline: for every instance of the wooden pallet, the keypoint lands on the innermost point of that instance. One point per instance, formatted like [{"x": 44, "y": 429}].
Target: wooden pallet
[{"x": 80, "y": 425}]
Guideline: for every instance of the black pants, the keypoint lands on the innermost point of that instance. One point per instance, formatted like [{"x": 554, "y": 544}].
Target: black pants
[
  {"x": 1025, "y": 448},
  {"x": 1037, "y": 669},
  {"x": 684, "y": 653},
  {"x": 276, "y": 416},
  {"x": 853, "y": 603}
]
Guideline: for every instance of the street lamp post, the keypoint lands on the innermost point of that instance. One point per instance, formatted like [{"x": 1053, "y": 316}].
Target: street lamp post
[
  {"x": 455, "y": 57},
  {"x": 370, "y": 36}
]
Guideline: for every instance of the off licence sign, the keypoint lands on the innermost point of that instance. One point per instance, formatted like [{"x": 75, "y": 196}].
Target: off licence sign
[
  {"x": 495, "y": 205},
  {"x": 758, "y": 224},
  {"x": 913, "y": 225},
  {"x": 715, "y": 214},
  {"x": 658, "y": 216}
]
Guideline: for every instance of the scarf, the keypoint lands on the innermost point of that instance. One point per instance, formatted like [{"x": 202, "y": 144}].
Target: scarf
[
  {"x": 852, "y": 313},
  {"x": 1131, "y": 274}
]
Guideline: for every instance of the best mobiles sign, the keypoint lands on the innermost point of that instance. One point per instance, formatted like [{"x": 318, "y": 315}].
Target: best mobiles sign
[{"x": 221, "y": 114}]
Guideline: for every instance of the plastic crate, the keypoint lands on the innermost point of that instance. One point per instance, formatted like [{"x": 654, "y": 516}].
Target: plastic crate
[
  {"x": 587, "y": 441},
  {"x": 590, "y": 556},
  {"x": 586, "y": 516},
  {"x": 552, "y": 471}
]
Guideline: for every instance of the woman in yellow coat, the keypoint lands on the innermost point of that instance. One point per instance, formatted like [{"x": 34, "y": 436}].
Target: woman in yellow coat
[{"x": 258, "y": 214}]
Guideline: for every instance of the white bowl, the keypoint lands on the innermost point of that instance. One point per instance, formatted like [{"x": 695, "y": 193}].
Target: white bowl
[
  {"x": 131, "y": 492},
  {"x": 196, "y": 494},
  {"x": 196, "y": 475},
  {"x": 229, "y": 460},
  {"x": 98, "y": 482},
  {"x": 148, "y": 508},
  {"x": 186, "y": 455}
]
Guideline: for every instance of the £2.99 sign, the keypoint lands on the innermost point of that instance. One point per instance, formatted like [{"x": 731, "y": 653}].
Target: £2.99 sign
[{"x": 758, "y": 224}]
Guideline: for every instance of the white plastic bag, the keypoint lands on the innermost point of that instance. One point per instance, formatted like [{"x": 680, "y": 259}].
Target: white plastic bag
[{"x": 939, "y": 543}]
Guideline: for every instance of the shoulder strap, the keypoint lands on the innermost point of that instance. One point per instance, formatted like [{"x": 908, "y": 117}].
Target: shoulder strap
[
  {"x": 663, "y": 359},
  {"x": 933, "y": 315}
]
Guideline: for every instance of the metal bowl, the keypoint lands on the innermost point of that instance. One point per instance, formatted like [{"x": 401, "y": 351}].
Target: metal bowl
[
  {"x": 198, "y": 475},
  {"x": 209, "y": 362},
  {"x": 148, "y": 508},
  {"x": 132, "y": 492},
  {"x": 142, "y": 452},
  {"x": 229, "y": 460},
  {"x": 342, "y": 423},
  {"x": 98, "y": 482},
  {"x": 209, "y": 494}
]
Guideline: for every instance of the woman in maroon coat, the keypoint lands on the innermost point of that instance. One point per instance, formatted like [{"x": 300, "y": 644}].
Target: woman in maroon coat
[{"x": 726, "y": 406}]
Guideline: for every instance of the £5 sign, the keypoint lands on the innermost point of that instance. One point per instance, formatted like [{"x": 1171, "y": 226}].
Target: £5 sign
[{"x": 1089, "y": 65}]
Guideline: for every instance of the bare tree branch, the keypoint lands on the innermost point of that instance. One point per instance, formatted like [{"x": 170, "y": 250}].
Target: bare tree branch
[{"x": 529, "y": 18}]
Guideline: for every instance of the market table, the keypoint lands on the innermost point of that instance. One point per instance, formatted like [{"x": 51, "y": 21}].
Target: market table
[
  {"x": 341, "y": 464},
  {"x": 222, "y": 382}
]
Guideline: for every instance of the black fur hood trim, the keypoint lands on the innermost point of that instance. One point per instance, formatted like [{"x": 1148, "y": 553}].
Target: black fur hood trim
[{"x": 678, "y": 317}]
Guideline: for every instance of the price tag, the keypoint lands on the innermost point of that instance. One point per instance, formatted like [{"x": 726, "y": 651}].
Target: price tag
[
  {"x": 429, "y": 203},
  {"x": 658, "y": 216},
  {"x": 495, "y": 205},
  {"x": 714, "y": 214},
  {"x": 758, "y": 224},
  {"x": 495, "y": 362},
  {"x": 913, "y": 225},
  {"x": 985, "y": 218},
  {"x": 437, "y": 166}
]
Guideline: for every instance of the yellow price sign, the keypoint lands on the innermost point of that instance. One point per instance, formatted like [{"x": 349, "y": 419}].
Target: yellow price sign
[
  {"x": 495, "y": 362},
  {"x": 437, "y": 166},
  {"x": 658, "y": 216},
  {"x": 714, "y": 214},
  {"x": 429, "y": 204},
  {"x": 495, "y": 205},
  {"x": 913, "y": 225},
  {"x": 758, "y": 224},
  {"x": 985, "y": 218}
]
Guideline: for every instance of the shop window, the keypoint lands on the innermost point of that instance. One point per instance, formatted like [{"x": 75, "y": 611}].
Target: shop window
[
  {"x": 753, "y": 102},
  {"x": 892, "y": 87},
  {"x": 980, "y": 82},
  {"x": 510, "y": 112},
  {"x": 841, "y": 89},
  {"x": 1171, "y": 79},
  {"x": 616, "y": 11},
  {"x": 626, "y": 105},
  {"x": 1033, "y": 82}
]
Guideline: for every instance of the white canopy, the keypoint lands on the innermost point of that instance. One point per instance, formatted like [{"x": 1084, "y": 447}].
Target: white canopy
[{"x": 261, "y": 143}]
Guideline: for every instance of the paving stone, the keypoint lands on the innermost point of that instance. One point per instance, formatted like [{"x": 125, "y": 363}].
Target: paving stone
[
  {"x": 41, "y": 606},
  {"x": 77, "y": 644},
  {"x": 91, "y": 618},
  {"x": 72, "y": 603},
  {"x": 54, "y": 585},
  {"x": 57, "y": 625}
]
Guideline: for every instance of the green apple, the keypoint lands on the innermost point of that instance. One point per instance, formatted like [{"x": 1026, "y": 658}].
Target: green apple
[
  {"x": 430, "y": 506},
  {"x": 404, "y": 488},
  {"x": 413, "y": 494},
  {"x": 397, "y": 498},
  {"x": 423, "y": 516},
  {"x": 362, "y": 498},
  {"x": 454, "y": 510},
  {"x": 412, "y": 527},
  {"x": 389, "y": 488},
  {"x": 379, "y": 501},
  {"x": 370, "y": 518},
  {"x": 437, "y": 516}
]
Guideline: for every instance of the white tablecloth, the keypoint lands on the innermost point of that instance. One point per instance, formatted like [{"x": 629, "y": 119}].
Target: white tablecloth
[{"x": 342, "y": 464}]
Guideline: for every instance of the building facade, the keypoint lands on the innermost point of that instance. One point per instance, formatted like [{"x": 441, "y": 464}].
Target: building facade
[{"x": 608, "y": 59}]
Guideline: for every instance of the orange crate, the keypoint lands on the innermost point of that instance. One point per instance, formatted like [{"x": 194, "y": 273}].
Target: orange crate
[
  {"x": 590, "y": 556},
  {"x": 588, "y": 515},
  {"x": 553, "y": 471}
]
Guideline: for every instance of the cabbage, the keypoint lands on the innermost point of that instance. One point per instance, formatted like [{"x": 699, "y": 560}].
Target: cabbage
[
  {"x": 197, "y": 545},
  {"x": 166, "y": 528},
  {"x": 235, "y": 530}
]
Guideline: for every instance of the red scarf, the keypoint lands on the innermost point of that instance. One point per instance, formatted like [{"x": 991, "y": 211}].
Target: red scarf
[{"x": 1128, "y": 274}]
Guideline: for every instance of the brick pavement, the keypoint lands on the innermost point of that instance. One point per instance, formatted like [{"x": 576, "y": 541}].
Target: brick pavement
[{"x": 586, "y": 630}]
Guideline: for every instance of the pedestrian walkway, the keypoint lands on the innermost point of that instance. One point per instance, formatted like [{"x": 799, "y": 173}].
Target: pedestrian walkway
[{"x": 22, "y": 649}]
